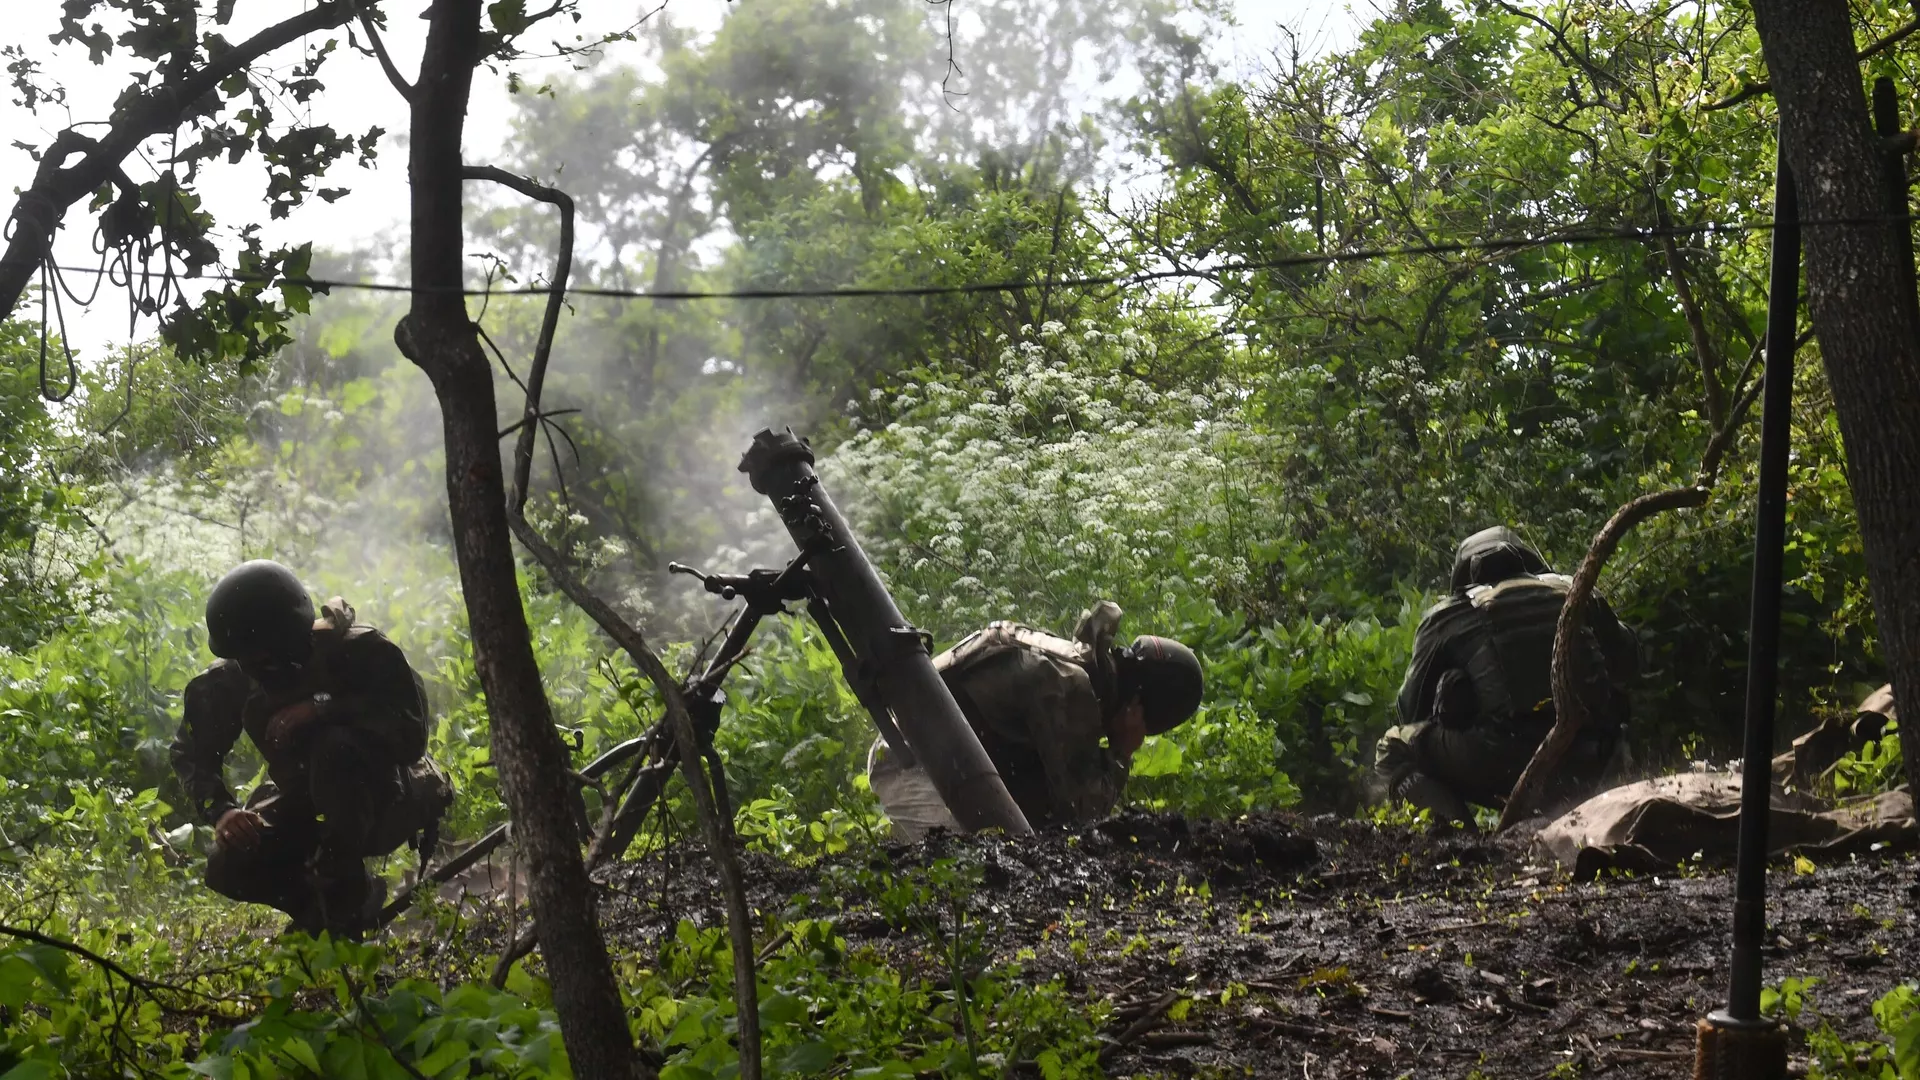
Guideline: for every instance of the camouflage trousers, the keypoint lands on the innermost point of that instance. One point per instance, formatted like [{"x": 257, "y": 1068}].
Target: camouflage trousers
[
  {"x": 345, "y": 802},
  {"x": 1449, "y": 770}
]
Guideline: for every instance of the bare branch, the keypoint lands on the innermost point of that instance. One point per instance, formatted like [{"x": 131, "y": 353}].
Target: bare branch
[
  {"x": 380, "y": 52},
  {"x": 139, "y": 982},
  {"x": 1703, "y": 350},
  {"x": 543, "y": 347},
  {"x": 719, "y": 834},
  {"x": 1745, "y": 395}
]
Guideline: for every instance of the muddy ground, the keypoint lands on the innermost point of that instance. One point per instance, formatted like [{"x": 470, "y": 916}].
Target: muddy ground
[{"x": 1362, "y": 951}]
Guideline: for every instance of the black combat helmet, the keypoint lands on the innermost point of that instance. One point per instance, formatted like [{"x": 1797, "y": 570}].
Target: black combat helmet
[
  {"x": 259, "y": 608},
  {"x": 1492, "y": 556},
  {"x": 1166, "y": 675}
]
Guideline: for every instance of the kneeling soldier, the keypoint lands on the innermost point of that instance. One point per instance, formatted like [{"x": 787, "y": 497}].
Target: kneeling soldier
[
  {"x": 341, "y": 720},
  {"x": 1060, "y": 718},
  {"x": 1478, "y": 696}
]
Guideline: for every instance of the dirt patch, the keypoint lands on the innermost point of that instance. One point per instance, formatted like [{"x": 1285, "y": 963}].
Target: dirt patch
[{"x": 1348, "y": 950}]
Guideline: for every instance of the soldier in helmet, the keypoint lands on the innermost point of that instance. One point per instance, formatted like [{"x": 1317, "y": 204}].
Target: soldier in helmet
[
  {"x": 1478, "y": 697},
  {"x": 341, "y": 720},
  {"x": 1059, "y": 717}
]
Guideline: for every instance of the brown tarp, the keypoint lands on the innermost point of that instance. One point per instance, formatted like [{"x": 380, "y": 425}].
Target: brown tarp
[
  {"x": 1817, "y": 751},
  {"x": 1655, "y": 824}
]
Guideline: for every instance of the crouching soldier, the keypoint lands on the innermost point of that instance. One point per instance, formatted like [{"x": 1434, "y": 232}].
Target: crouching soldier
[
  {"x": 340, "y": 719},
  {"x": 1060, "y": 718},
  {"x": 1477, "y": 700}
]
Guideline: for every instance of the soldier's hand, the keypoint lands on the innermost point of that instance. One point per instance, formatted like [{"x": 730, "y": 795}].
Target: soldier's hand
[
  {"x": 239, "y": 829},
  {"x": 285, "y": 725}
]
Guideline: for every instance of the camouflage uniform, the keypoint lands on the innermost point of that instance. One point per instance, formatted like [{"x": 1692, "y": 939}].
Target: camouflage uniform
[
  {"x": 353, "y": 783},
  {"x": 1039, "y": 705},
  {"x": 1478, "y": 699}
]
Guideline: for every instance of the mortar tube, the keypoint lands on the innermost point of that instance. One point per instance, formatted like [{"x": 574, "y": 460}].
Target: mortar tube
[{"x": 780, "y": 466}]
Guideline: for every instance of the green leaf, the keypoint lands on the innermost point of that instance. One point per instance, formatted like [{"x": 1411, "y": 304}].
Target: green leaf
[
  {"x": 1158, "y": 757},
  {"x": 444, "y": 1056},
  {"x": 808, "y": 1058},
  {"x": 777, "y": 1009},
  {"x": 508, "y": 16},
  {"x": 301, "y": 1051}
]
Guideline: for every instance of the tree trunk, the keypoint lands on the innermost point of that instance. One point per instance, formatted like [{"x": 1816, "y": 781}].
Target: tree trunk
[
  {"x": 532, "y": 762},
  {"x": 1866, "y": 319}
]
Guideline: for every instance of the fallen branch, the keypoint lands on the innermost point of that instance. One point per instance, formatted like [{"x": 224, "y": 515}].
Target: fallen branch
[
  {"x": 1305, "y": 1031},
  {"x": 1649, "y": 1055},
  {"x": 1435, "y": 931},
  {"x": 1147, "y": 1022},
  {"x": 1164, "y": 1040},
  {"x": 1569, "y": 705}
]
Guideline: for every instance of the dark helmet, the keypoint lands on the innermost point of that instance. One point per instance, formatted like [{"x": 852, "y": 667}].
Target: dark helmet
[
  {"x": 260, "y": 607},
  {"x": 1492, "y": 556},
  {"x": 1166, "y": 676}
]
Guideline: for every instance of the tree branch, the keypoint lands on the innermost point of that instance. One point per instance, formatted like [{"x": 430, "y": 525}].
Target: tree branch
[
  {"x": 1569, "y": 708},
  {"x": 380, "y": 53},
  {"x": 1747, "y": 393},
  {"x": 1716, "y": 391},
  {"x": 56, "y": 186},
  {"x": 543, "y": 346},
  {"x": 1584, "y": 61},
  {"x": 140, "y": 982},
  {"x": 1765, "y": 86},
  {"x": 719, "y": 834}
]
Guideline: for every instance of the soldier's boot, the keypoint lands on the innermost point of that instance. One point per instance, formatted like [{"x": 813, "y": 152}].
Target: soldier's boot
[
  {"x": 350, "y": 897},
  {"x": 1425, "y": 792}
]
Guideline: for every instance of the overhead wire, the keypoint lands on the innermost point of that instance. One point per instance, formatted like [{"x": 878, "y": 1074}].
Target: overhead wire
[{"x": 1484, "y": 245}]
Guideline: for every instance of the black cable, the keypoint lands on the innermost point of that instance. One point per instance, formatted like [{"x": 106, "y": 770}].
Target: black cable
[{"x": 1637, "y": 234}]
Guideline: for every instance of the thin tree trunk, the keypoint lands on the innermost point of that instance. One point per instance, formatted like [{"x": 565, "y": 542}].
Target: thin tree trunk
[
  {"x": 1865, "y": 316},
  {"x": 437, "y": 335}
]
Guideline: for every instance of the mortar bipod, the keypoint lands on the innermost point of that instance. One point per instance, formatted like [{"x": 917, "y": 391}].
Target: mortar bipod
[
  {"x": 767, "y": 593},
  {"x": 652, "y": 757}
]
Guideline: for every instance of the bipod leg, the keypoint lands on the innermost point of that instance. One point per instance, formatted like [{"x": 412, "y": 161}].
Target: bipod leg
[
  {"x": 859, "y": 679},
  {"x": 448, "y": 870},
  {"x": 616, "y": 831}
]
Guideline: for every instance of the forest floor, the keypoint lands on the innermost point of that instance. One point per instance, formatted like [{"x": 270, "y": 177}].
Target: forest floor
[{"x": 1349, "y": 949}]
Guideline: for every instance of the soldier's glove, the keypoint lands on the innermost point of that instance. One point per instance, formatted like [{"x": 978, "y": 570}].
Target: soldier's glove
[{"x": 286, "y": 728}]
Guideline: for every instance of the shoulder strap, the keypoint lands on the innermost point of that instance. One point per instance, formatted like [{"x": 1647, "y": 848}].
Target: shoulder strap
[
  {"x": 999, "y": 637},
  {"x": 330, "y": 632},
  {"x": 1484, "y": 596}
]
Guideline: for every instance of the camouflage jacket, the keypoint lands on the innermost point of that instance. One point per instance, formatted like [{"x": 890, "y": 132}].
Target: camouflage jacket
[
  {"x": 1031, "y": 698},
  {"x": 1501, "y": 637},
  {"x": 367, "y": 685}
]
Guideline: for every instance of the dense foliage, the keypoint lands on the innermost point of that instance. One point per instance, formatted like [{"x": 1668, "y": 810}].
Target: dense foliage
[{"x": 1269, "y": 456}]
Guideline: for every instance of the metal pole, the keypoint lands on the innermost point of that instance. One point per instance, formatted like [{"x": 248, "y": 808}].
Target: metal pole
[
  {"x": 1886, "y": 123},
  {"x": 888, "y": 647},
  {"x": 1763, "y": 641}
]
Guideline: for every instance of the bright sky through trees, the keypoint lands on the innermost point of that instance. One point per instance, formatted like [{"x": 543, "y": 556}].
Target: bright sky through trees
[{"x": 358, "y": 97}]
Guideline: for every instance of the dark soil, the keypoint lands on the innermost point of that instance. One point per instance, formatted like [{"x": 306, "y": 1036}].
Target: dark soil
[{"x": 1351, "y": 950}]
